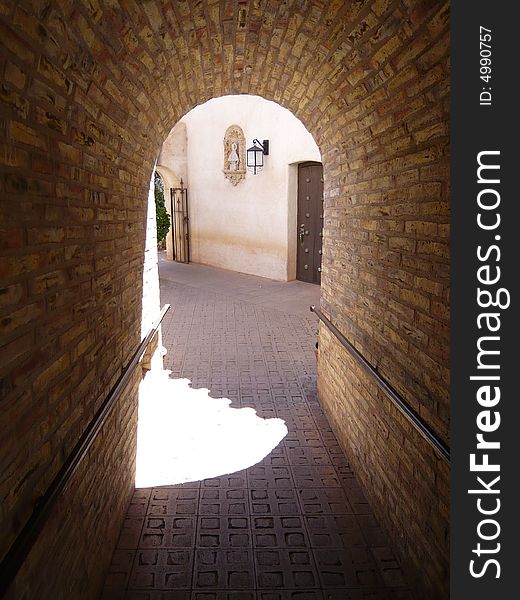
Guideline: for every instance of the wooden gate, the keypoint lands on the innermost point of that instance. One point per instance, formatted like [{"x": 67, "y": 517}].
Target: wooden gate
[{"x": 180, "y": 222}]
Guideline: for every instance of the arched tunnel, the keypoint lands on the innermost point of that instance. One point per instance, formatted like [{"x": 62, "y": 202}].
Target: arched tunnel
[{"x": 90, "y": 90}]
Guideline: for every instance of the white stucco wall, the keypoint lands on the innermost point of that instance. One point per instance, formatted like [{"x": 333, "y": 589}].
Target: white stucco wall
[{"x": 250, "y": 228}]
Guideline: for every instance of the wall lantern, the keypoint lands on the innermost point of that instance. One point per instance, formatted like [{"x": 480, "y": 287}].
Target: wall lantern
[{"x": 255, "y": 155}]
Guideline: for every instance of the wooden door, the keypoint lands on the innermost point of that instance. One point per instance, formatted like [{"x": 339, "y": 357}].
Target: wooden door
[{"x": 310, "y": 222}]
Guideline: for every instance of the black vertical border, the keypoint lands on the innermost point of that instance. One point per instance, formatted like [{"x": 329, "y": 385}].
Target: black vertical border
[{"x": 476, "y": 128}]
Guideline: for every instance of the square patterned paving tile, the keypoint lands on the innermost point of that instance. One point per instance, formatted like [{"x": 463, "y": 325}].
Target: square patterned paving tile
[
  {"x": 285, "y": 569},
  {"x": 162, "y": 569},
  {"x": 173, "y": 501},
  {"x": 282, "y": 501},
  {"x": 332, "y": 500},
  {"x": 306, "y": 456},
  {"x": 304, "y": 422},
  {"x": 276, "y": 458},
  {"x": 120, "y": 569},
  {"x": 168, "y": 532},
  {"x": 266, "y": 405},
  {"x": 311, "y": 476},
  {"x": 139, "y": 502},
  {"x": 335, "y": 449},
  {"x": 264, "y": 413},
  {"x": 388, "y": 567},
  {"x": 223, "y": 532},
  {"x": 342, "y": 567},
  {"x": 266, "y": 477},
  {"x": 306, "y": 437},
  {"x": 334, "y": 531},
  {"x": 279, "y": 532},
  {"x": 345, "y": 473},
  {"x": 188, "y": 485},
  {"x": 223, "y": 568},
  {"x": 224, "y": 502},
  {"x": 233, "y": 481},
  {"x": 297, "y": 410}
]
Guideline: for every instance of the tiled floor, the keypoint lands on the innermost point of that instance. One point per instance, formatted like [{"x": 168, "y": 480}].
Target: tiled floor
[{"x": 295, "y": 526}]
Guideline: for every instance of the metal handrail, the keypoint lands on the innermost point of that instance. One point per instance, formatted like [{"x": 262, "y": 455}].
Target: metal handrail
[
  {"x": 427, "y": 433},
  {"x": 22, "y": 545}
]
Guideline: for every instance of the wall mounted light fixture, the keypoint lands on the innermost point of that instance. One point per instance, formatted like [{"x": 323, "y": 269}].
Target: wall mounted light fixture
[{"x": 255, "y": 155}]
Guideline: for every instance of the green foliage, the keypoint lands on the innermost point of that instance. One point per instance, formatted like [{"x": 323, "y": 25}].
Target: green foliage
[{"x": 162, "y": 217}]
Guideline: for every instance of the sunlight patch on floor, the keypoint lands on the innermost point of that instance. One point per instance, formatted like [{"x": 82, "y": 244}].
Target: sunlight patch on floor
[{"x": 185, "y": 435}]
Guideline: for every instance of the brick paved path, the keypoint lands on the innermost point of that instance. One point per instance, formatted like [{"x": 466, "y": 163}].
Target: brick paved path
[{"x": 295, "y": 526}]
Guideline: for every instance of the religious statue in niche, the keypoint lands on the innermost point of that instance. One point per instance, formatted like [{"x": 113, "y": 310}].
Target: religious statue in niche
[
  {"x": 234, "y": 154},
  {"x": 233, "y": 159}
]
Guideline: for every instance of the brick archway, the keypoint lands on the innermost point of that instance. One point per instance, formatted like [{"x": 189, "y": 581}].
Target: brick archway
[{"x": 90, "y": 91}]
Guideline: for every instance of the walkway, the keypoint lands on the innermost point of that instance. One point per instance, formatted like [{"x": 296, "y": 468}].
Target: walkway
[{"x": 295, "y": 526}]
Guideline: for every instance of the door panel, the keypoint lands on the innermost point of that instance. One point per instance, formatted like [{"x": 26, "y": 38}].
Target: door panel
[{"x": 310, "y": 222}]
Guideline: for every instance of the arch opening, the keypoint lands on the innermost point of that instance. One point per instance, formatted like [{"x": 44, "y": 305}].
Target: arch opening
[
  {"x": 246, "y": 223},
  {"x": 370, "y": 81}
]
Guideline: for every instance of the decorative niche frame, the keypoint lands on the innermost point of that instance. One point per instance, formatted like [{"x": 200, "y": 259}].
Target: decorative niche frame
[{"x": 234, "y": 154}]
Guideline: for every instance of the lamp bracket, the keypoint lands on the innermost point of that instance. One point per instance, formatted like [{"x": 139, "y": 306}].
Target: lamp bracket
[{"x": 264, "y": 145}]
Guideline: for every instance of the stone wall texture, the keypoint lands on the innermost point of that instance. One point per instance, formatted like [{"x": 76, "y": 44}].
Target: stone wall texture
[{"x": 89, "y": 91}]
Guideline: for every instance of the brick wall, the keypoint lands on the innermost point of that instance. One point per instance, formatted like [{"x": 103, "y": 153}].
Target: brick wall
[
  {"x": 89, "y": 91},
  {"x": 74, "y": 548},
  {"x": 386, "y": 281},
  {"x": 74, "y": 187}
]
